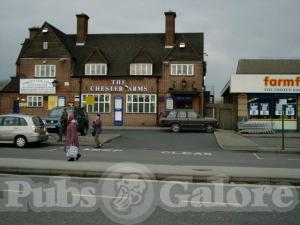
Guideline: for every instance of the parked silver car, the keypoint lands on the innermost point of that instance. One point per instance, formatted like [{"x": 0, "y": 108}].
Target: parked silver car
[{"x": 22, "y": 129}]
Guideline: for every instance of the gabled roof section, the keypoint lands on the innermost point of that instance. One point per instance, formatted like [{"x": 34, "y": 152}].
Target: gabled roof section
[
  {"x": 142, "y": 56},
  {"x": 268, "y": 66},
  {"x": 96, "y": 56},
  {"x": 59, "y": 45},
  {"x": 184, "y": 50}
]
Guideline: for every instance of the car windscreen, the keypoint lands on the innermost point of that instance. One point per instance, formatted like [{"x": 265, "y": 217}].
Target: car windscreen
[
  {"x": 37, "y": 121},
  {"x": 55, "y": 113}
]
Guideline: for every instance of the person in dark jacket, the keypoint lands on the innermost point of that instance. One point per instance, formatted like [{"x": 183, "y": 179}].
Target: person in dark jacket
[
  {"x": 97, "y": 125},
  {"x": 72, "y": 136},
  {"x": 63, "y": 124}
]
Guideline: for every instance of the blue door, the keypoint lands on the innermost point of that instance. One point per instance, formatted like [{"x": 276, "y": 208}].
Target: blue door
[
  {"x": 16, "y": 108},
  {"x": 118, "y": 111}
]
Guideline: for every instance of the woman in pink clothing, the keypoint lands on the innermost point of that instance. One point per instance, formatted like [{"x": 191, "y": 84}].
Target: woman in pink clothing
[{"x": 72, "y": 135}]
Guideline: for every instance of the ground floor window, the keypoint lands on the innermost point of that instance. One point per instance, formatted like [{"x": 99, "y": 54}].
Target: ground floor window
[
  {"x": 34, "y": 101},
  {"x": 140, "y": 103},
  {"x": 268, "y": 106},
  {"x": 101, "y": 103}
]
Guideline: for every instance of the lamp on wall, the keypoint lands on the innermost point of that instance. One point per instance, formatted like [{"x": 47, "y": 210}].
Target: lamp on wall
[
  {"x": 183, "y": 83},
  {"x": 54, "y": 83}
]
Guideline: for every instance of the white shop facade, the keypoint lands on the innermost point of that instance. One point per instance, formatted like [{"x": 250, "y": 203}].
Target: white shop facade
[{"x": 267, "y": 98}]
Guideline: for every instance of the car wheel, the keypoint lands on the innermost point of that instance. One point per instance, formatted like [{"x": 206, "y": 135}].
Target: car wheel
[
  {"x": 209, "y": 128},
  {"x": 175, "y": 127},
  {"x": 20, "y": 141}
]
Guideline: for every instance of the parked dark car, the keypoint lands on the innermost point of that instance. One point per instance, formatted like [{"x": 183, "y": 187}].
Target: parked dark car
[
  {"x": 179, "y": 119},
  {"x": 53, "y": 119}
]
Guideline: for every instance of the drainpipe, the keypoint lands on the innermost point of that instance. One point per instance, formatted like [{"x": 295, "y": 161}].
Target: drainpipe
[
  {"x": 80, "y": 87},
  {"x": 157, "y": 101}
]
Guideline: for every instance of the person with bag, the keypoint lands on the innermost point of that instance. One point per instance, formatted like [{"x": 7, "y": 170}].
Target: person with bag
[
  {"x": 97, "y": 125},
  {"x": 72, "y": 142}
]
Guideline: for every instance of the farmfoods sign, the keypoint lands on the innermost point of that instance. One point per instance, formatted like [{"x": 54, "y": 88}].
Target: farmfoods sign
[{"x": 260, "y": 83}]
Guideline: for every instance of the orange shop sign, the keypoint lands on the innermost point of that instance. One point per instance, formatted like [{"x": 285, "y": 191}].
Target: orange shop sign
[{"x": 260, "y": 83}]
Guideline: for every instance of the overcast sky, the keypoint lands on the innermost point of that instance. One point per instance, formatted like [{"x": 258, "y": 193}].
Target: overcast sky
[{"x": 233, "y": 29}]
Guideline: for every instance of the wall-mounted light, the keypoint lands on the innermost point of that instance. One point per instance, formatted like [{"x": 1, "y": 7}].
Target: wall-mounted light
[
  {"x": 54, "y": 83},
  {"x": 183, "y": 83}
]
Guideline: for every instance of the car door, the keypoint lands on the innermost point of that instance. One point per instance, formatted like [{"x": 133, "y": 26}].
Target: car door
[
  {"x": 193, "y": 120},
  {"x": 11, "y": 126},
  {"x": 182, "y": 119}
]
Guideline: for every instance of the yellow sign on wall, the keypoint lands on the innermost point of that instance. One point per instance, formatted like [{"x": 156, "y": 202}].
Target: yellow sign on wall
[
  {"x": 52, "y": 102},
  {"x": 90, "y": 100}
]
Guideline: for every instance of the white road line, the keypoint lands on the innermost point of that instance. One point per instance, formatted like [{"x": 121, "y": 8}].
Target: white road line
[
  {"x": 99, "y": 196},
  {"x": 257, "y": 157},
  {"x": 294, "y": 159},
  {"x": 214, "y": 203},
  {"x": 91, "y": 196}
]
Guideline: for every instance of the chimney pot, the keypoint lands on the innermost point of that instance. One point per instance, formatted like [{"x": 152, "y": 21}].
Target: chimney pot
[
  {"x": 170, "y": 29},
  {"x": 82, "y": 28},
  {"x": 33, "y": 31}
]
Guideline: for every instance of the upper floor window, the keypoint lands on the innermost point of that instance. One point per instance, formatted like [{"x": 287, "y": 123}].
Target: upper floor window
[
  {"x": 182, "y": 69},
  {"x": 45, "y": 71},
  {"x": 96, "y": 69},
  {"x": 141, "y": 69}
]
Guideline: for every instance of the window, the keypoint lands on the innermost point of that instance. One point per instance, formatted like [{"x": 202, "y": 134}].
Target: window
[
  {"x": 141, "y": 69},
  {"x": 101, "y": 103},
  {"x": 11, "y": 121},
  {"x": 45, "y": 71},
  {"x": 45, "y": 45},
  {"x": 192, "y": 115},
  {"x": 96, "y": 69},
  {"x": 182, "y": 69},
  {"x": 23, "y": 122},
  {"x": 141, "y": 103},
  {"x": 181, "y": 114},
  {"x": 34, "y": 101},
  {"x": 268, "y": 106}
]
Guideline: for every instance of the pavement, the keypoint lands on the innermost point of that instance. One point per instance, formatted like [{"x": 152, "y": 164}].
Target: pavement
[
  {"x": 227, "y": 140},
  {"x": 231, "y": 140}
]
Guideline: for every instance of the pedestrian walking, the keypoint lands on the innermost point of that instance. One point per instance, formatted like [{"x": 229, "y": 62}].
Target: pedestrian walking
[
  {"x": 62, "y": 124},
  {"x": 97, "y": 125},
  {"x": 72, "y": 142}
]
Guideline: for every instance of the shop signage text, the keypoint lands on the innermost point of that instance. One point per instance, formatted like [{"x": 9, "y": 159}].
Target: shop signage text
[
  {"x": 118, "y": 86},
  {"x": 257, "y": 83},
  {"x": 37, "y": 86}
]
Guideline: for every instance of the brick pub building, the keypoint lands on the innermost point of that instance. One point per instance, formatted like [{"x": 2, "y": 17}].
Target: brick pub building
[{"x": 128, "y": 78}]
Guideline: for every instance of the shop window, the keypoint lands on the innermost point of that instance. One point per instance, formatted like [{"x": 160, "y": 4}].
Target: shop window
[
  {"x": 96, "y": 69},
  {"x": 141, "y": 69},
  {"x": 45, "y": 71},
  {"x": 34, "y": 101},
  {"x": 269, "y": 106},
  {"x": 102, "y": 103},
  {"x": 182, "y": 69},
  {"x": 140, "y": 103}
]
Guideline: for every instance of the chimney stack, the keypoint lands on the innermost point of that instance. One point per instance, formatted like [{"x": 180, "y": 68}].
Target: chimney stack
[
  {"x": 82, "y": 28},
  {"x": 33, "y": 31},
  {"x": 170, "y": 29}
]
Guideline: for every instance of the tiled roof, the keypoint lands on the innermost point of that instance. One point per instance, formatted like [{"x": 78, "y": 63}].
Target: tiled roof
[
  {"x": 12, "y": 86},
  {"x": 121, "y": 49},
  {"x": 268, "y": 66}
]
